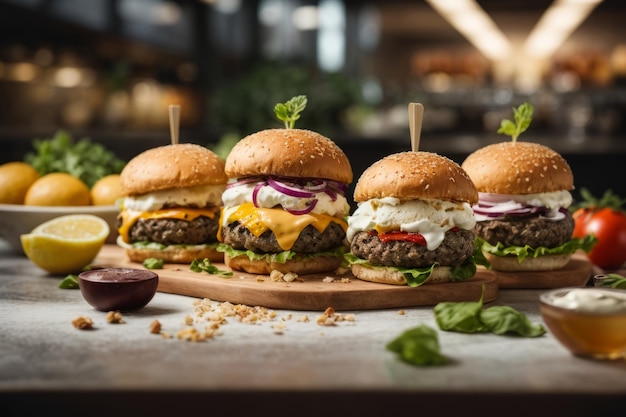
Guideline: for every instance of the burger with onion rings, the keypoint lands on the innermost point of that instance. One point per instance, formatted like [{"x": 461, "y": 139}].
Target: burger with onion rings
[
  {"x": 285, "y": 207},
  {"x": 522, "y": 217}
]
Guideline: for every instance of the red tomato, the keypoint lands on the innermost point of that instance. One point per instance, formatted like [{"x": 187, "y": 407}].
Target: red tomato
[
  {"x": 405, "y": 236},
  {"x": 609, "y": 226}
]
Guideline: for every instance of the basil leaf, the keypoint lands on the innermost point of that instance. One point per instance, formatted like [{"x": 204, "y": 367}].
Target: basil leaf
[
  {"x": 505, "y": 319},
  {"x": 418, "y": 346},
  {"x": 461, "y": 316}
]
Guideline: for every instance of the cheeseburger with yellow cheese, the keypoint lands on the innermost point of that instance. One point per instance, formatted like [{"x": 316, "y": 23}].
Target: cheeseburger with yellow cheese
[
  {"x": 285, "y": 205},
  {"x": 171, "y": 206}
]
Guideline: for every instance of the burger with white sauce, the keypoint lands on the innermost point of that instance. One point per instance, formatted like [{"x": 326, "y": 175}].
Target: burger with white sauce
[
  {"x": 171, "y": 206},
  {"x": 284, "y": 204},
  {"x": 414, "y": 220},
  {"x": 523, "y": 222}
]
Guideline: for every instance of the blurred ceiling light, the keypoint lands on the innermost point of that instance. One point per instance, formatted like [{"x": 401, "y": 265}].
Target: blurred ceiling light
[
  {"x": 556, "y": 25},
  {"x": 471, "y": 21},
  {"x": 68, "y": 77},
  {"x": 21, "y": 71},
  {"x": 225, "y": 6},
  {"x": 271, "y": 12},
  {"x": 305, "y": 18},
  {"x": 331, "y": 38}
]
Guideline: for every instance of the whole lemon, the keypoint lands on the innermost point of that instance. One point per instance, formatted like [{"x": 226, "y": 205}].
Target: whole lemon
[
  {"x": 58, "y": 189},
  {"x": 106, "y": 190},
  {"x": 15, "y": 179}
]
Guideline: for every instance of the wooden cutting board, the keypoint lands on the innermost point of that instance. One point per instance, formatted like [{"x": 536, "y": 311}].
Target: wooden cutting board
[
  {"x": 575, "y": 274},
  {"x": 307, "y": 292}
]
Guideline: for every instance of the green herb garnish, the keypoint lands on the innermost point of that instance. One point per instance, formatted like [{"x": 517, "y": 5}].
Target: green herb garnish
[
  {"x": 84, "y": 159},
  {"x": 70, "y": 282},
  {"x": 522, "y": 116},
  {"x": 153, "y": 263},
  {"x": 205, "y": 265},
  {"x": 470, "y": 317},
  {"x": 611, "y": 281},
  {"x": 290, "y": 111},
  {"x": 418, "y": 346}
]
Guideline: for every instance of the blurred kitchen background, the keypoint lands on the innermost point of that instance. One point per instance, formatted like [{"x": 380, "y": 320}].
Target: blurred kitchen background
[{"x": 108, "y": 69}]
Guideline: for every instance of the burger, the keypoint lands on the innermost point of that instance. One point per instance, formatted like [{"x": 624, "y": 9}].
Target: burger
[
  {"x": 171, "y": 204},
  {"x": 284, "y": 204},
  {"x": 522, "y": 217},
  {"x": 413, "y": 222}
]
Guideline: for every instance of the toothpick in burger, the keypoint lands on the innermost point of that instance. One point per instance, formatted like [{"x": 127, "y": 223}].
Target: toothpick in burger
[
  {"x": 285, "y": 204},
  {"x": 171, "y": 206},
  {"x": 414, "y": 220},
  {"x": 523, "y": 222}
]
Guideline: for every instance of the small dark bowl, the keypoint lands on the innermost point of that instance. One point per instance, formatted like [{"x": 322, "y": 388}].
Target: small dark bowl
[{"x": 123, "y": 289}]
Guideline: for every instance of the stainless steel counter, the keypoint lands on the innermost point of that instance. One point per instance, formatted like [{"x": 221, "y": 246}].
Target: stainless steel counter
[{"x": 309, "y": 369}]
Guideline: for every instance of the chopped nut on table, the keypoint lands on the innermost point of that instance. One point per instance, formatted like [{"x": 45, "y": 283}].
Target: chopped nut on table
[
  {"x": 83, "y": 323},
  {"x": 331, "y": 317},
  {"x": 155, "y": 327},
  {"x": 114, "y": 317}
]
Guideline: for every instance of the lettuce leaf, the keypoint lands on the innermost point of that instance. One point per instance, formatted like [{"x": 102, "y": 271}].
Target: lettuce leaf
[
  {"x": 569, "y": 247},
  {"x": 280, "y": 257},
  {"x": 418, "y": 276}
]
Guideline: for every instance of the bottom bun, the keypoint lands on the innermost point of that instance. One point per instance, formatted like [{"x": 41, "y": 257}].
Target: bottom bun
[
  {"x": 392, "y": 276},
  {"x": 541, "y": 263},
  {"x": 298, "y": 266},
  {"x": 175, "y": 255}
]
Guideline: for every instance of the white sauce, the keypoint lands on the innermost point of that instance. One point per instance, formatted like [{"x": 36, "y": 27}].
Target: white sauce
[
  {"x": 430, "y": 218},
  {"x": 269, "y": 198},
  {"x": 199, "y": 196},
  {"x": 592, "y": 300}
]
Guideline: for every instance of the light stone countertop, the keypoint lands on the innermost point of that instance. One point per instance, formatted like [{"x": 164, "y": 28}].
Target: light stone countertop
[{"x": 46, "y": 362}]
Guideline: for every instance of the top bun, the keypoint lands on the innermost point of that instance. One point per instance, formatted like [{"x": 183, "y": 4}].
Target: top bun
[
  {"x": 411, "y": 175},
  {"x": 518, "y": 168},
  {"x": 290, "y": 153},
  {"x": 172, "y": 166}
]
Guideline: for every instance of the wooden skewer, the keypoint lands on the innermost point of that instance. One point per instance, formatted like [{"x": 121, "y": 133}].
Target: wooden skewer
[
  {"x": 416, "y": 114},
  {"x": 174, "y": 110}
]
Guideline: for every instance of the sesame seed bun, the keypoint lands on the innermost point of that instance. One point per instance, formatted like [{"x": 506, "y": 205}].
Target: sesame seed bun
[
  {"x": 290, "y": 153},
  {"x": 171, "y": 166},
  {"x": 411, "y": 175},
  {"x": 518, "y": 168}
]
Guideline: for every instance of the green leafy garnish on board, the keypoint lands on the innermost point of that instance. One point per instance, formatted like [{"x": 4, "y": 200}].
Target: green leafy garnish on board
[
  {"x": 418, "y": 346},
  {"x": 205, "y": 265},
  {"x": 290, "y": 111},
  {"x": 83, "y": 159},
  {"x": 153, "y": 263},
  {"x": 522, "y": 117}
]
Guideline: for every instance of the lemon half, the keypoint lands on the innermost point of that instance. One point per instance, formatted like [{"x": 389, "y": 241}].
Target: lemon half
[{"x": 65, "y": 244}]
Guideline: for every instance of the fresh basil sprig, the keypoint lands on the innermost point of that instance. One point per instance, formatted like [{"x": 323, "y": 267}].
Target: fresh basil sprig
[
  {"x": 205, "y": 265},
  {"x": 290, "y": 111},
  {"x": 611, "y": 281},
  {"x": 418, "y": 346},
  {"x": 470, "y": 317},
  {"x": 522, "y": 117}
]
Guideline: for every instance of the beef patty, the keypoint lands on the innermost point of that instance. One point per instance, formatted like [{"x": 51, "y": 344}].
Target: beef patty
[
  {"x": 309, "y": 241},
  {"x": 456, "y": 247},
  {"x": 200, "y": 230},
  {"x": 531, "y": 230}
]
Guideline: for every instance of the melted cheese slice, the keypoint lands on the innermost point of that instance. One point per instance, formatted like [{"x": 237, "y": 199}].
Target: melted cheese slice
[
  {"x": 130, "y": 217},
  {"x": 285, "y": 226}
]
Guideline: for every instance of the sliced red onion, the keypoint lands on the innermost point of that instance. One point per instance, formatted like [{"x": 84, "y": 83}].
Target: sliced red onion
[
  {"x": 255, "y": 192},
  {"x": 288, "y": 190}
]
